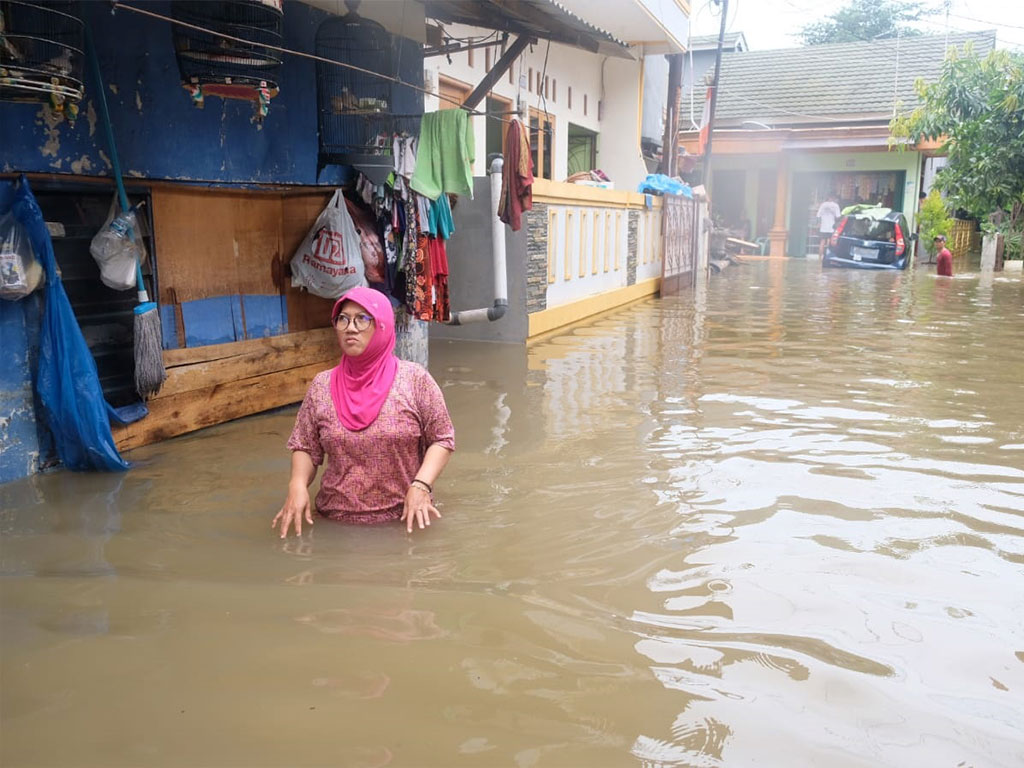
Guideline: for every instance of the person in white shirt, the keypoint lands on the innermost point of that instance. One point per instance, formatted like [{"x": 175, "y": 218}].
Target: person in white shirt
[{"x": 828, "y": 212}]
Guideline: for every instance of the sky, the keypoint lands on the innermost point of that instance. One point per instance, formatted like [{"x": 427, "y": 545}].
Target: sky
[{"x": 770, "y": 24}]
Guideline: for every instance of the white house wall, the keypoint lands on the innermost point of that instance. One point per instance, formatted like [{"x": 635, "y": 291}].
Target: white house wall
[{"x": 611, "y": 88}]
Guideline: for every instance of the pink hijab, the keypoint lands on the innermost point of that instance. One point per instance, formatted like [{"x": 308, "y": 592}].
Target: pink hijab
[{"x": 360, "y": 384}]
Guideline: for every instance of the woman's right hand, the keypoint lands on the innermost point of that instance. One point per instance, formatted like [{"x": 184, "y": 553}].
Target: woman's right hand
[{"x": 296, "y": 507}]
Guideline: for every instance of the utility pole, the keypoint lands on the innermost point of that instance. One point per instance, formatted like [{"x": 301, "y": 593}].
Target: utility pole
[
  {"x": 714, "y": 92},
  {"x": 670, "y": 141}
]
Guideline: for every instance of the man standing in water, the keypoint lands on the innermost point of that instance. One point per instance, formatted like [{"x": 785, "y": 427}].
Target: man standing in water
[
  {"x": 943, "y": 258},
  {"x": 828, "y": 212}
]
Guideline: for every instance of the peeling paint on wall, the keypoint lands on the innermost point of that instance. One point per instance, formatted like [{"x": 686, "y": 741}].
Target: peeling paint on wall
[
  {"x": 221, "y": 144},
  {"x": 50, "y": 121},
  {"x": 81, "y": 165}
]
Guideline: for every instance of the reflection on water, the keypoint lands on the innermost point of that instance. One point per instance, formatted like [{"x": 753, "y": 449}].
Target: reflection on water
[{"x": 776, "y": 523}]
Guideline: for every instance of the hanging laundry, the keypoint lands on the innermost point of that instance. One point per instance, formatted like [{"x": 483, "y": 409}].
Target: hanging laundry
[
  {"x": 444, "y": 159},
  {"x": 516, "y": 176},
  {"x": 404, "y": 152},
  {"x": 430, "y": 282},
  {"x": 440, "y": 221}
]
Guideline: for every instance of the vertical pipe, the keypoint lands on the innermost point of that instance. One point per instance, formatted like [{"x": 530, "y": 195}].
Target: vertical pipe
[
  {"x": 714, "y": 94},
  {"x": 498, "y": 235},
  {"x": 500, "y": 307},
  {"x": 670, "y": 140}
]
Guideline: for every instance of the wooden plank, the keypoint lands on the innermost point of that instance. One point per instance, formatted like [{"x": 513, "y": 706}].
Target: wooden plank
[
  {"x": 256, "y": 230},
  {"x": 259, "y": 362},
  {"x": 190, "y": 355},
  {"x": 188, "y": 411},
  {"x": 195, "y": 245}
]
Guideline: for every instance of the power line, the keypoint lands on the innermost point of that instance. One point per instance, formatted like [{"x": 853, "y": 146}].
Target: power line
[{"x": 997, "y": 24}]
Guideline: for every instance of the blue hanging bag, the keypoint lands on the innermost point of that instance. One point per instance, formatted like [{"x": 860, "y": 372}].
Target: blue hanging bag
[{"x": 67, "y": 383}]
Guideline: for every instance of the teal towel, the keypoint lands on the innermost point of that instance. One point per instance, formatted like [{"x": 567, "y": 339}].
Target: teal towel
[{"x": 444, "y": 160}]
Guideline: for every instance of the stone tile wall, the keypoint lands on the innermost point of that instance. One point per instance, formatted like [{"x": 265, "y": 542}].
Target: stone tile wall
[{"x": 536, "y": 223}]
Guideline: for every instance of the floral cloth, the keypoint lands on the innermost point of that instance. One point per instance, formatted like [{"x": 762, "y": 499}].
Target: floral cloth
[{"x": 369, "y": 471}]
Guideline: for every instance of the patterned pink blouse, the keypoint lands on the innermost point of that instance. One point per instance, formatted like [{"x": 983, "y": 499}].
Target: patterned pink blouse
[{"x": 368, "y": 472}]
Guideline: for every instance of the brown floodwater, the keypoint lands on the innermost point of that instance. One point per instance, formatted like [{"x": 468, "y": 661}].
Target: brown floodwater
[{"x": 779, "y": 522}]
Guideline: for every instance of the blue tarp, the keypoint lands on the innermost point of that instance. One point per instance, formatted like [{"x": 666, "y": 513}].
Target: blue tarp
[
  {"x": 67, "y": 382},
  {"x": 660, "y": 184}
]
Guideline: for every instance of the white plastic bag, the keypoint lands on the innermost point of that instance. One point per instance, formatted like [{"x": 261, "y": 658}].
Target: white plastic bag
[
  {"x": 20, "y": 272},
  {"x": 329, "y": 262},
  {"x": 116, "y": 248}
]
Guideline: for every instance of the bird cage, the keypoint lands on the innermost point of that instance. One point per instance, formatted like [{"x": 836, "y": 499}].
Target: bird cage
[
  {"x": 41, "y": 53},
  {"x": 358, "y": 112},
  {"x": 214, "y": 62}
]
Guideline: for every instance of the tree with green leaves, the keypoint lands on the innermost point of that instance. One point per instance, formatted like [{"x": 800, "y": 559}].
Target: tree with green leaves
[
  {"x": 976, "y": 108},
  {"x": 866, "y": 20},
  {"x": 933, "y": 220}
]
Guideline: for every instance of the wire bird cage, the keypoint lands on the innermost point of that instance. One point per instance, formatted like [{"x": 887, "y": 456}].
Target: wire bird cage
[
  {"x": 358, "y": 113},
  {"x": 213, "y": 65},
  {"x": 41, "y": 53}
]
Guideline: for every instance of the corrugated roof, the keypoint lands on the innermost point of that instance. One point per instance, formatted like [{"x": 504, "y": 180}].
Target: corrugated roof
[
  {"x": 543, "y": 19},
  {"x": 822, "y": 83}
]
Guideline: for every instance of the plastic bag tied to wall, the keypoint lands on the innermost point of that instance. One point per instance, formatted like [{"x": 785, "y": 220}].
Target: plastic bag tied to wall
[{"x": 67, "y": 382}]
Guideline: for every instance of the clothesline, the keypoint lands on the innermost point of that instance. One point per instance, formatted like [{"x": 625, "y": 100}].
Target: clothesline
[{"x": 304, "y": 55}]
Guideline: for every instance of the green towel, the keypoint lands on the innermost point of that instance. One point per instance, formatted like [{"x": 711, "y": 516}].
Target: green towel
[{"x": 444, "y": 160}]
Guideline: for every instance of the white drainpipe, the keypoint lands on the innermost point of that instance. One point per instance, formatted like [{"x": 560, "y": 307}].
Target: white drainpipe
[{"x": 498, "y": 254}]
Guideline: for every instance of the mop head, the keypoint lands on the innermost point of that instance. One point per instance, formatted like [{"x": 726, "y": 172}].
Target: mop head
[{"x": 149, "y": 353}]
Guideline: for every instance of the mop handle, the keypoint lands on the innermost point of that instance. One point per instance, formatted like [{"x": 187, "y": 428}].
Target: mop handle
[{"x": 108, "y": 128}]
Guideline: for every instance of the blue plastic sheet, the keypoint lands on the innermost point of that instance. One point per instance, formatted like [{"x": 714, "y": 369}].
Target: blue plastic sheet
[
  {"x": 67, "y": 383},
  {"x": 660, "y": 184}
]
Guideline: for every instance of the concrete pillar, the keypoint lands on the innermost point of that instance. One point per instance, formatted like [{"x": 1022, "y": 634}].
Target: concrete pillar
[
  {"x": 778, "y": 234},
  {"x": 992, "y": 253},
  {"x": 411, "y": 337}
]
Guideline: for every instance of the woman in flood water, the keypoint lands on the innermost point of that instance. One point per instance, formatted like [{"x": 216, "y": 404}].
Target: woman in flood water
[{"x": 380, "y": 422}]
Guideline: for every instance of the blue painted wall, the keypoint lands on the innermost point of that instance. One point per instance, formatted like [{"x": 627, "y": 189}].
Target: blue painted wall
[{"x": 160, "y": 135}]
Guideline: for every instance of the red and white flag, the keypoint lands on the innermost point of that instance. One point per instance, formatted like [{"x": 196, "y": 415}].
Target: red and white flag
[{"x": 705, "y": 123}]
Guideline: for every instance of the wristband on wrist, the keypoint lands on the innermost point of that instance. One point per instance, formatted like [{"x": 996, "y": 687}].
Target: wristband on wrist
[{"x": 427, "y": 486}]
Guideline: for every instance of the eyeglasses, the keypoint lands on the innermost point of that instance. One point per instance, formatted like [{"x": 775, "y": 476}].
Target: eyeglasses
[{"x": 361, "y": 322}]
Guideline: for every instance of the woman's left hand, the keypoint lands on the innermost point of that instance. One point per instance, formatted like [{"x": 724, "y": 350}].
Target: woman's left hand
[{"x": 418, "y": 508}]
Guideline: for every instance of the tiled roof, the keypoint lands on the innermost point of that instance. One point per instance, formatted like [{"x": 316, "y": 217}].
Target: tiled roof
[
  {"x": 710, "y": 42},
  {"x": 821, "y": 84}
]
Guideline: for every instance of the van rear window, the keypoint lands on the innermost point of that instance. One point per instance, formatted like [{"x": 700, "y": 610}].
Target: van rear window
[{"x": 869, "y": 229}]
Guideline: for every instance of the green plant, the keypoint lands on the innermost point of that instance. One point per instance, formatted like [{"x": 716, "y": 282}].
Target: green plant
[
  {"x": 976, "y": 108},
  {"x": 934, "y": 220}
]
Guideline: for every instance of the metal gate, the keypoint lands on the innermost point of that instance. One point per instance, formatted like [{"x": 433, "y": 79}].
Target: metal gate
[{"x": 679, "y": 228}]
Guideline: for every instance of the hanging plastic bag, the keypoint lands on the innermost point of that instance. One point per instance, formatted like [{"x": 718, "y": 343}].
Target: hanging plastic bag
[
  {"x": 329, "y": 262},
  {"x": 116, "y": 247},
  {"x": 370, "y": 245},
  {"x": 20, "y": 271}
]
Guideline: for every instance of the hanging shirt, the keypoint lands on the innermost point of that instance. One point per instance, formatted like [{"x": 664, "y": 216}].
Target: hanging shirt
[
  {"x": 404, "y": 152},
  {"x": 516, "y": 176},
  {"x": 444, "y": 158},
  {"x": 440, "y": 219}
]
